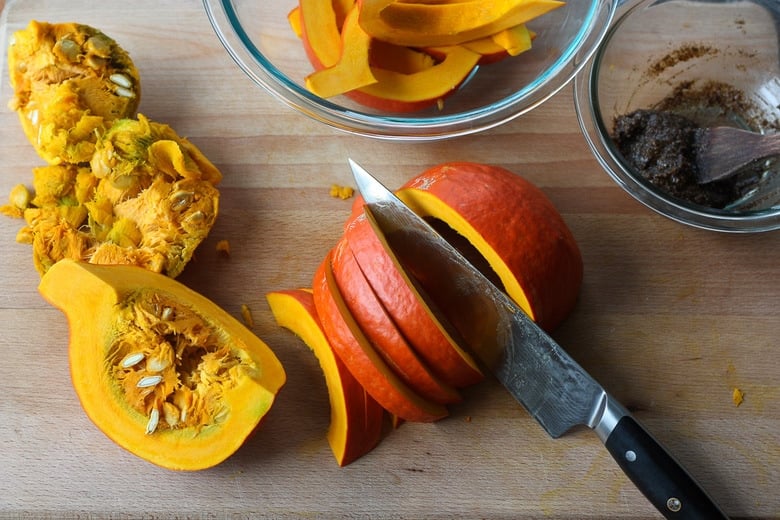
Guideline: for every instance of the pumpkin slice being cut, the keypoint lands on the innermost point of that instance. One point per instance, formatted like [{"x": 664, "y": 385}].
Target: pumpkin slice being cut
[
  {"x": 376, "y": 324},
  {"x": 160, "y": 369},
  {"x": 356, "y": 419},
  {"x": 361, "y": 358},
  {"x": 432, "y": 341}
]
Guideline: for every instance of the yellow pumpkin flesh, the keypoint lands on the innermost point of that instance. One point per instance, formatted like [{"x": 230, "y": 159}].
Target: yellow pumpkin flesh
[{"x": 160, "y": 369}]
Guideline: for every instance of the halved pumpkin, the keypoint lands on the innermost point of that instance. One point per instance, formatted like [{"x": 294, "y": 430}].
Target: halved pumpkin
[
  {"x": 513, "y": 225},
  {"x": 160, "y": 369}
]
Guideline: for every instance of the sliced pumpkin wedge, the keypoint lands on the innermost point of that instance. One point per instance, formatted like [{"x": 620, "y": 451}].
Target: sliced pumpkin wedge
[
  {"x": 356, "y": 351},
  {"x": 356, "y": 419},
  {"x": 379, "y": 328}
]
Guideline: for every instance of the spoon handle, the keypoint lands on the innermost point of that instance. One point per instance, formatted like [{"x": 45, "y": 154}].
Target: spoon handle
[{"x": 724, "y": 150}]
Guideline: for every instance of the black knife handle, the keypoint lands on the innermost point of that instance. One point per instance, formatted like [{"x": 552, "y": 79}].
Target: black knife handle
[{"x": 657, "y": 475}]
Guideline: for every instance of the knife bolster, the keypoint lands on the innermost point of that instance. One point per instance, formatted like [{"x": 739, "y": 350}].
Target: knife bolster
[{"x": 609, "y": 414}]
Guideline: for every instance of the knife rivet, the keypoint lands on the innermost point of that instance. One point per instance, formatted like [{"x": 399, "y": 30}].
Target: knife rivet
[
  {"x": 674, "y": 504},
  {"x": 630, "y": 455}
]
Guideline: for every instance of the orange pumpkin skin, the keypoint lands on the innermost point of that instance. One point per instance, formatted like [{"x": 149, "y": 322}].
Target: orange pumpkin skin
[
  {"x": 355, "y": 350},
  {"x": 429, "y": 339},
  {"x": 513, "y": 225},
  {"x": 389, "y": 105},
  {"x": 379, "y": 328},
  {"x": 356, "y": 419}
]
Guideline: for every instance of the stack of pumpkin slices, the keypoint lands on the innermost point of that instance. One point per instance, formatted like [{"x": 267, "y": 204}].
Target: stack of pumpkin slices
[{"x": 383, "y": 352}]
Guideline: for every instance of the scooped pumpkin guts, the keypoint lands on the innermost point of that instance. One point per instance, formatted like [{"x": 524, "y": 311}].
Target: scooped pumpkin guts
[
  {"x": 148, "y": 199},
  {"x": 161, "y": 370},
  {"x": 70, "y": 81}
]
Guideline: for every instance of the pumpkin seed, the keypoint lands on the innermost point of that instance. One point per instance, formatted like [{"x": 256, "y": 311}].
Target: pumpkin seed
[
  {"x": 133, "y": 359},
  {"x": 181, "y": 199},
  {"x": 154, "y": 419},
  {"x": 121, "y": 80},
  {"x": 124, "y": 92},
  {"x": 157, "y": 364},
  {"x": 100, "y": 45},
  {"x": 96, "y": 62},
  {"x": 70, "y": 49},
  {"x": 198, "y": 216},
  {"x": 148, "y": 381},
  {"x": 167, "y": 314}
]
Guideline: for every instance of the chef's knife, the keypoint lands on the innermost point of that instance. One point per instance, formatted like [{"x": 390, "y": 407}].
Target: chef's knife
[{"x": 555, "y": 390}]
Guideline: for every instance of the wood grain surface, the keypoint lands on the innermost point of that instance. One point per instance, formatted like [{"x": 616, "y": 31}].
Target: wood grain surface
[{"x": 670, "y": 320}]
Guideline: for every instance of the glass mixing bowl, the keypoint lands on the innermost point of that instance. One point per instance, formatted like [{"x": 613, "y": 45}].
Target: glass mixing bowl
[
  {"x": 716, "y": 62},
  {"x": 258, "y": 37}
]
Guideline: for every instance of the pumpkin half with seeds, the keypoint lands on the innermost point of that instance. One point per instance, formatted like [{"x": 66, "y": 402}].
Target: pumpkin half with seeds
[
  {"x": 160, "y": 369},
  {"x": 148, "y": 199},
  {"x": 70, "y": 80}
]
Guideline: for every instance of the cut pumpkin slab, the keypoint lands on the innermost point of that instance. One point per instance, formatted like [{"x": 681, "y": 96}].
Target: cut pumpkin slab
[
  {"x": 356, "y": 419},
  {"x": 513, "y": 225},
  {"x": 379, "y": 328},
  {"x": 353, "y": 348},
  {"x": 352, "y": 70}
]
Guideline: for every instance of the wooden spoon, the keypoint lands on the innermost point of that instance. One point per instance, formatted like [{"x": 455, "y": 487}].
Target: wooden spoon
[{"x": 722, "y": 151}]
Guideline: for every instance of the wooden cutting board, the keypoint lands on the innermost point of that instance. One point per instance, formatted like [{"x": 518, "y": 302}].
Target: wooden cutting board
[{"x": 671, "y": 319}]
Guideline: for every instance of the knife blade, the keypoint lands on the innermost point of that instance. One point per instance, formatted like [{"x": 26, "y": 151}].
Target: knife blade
[{"x": 539, "y": 373}]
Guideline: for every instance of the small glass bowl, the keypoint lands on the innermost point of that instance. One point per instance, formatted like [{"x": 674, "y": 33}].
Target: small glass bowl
[
  {"x": 657, "y": 47},
  {"x": 258, "y": 37}
]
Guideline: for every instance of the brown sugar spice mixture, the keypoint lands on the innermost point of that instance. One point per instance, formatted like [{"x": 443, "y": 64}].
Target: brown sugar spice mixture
[
  {"x": 660, "y": 142},
  {"x": 661, "y": 146}
]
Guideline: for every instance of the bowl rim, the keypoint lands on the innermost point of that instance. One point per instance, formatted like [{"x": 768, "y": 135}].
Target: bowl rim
[
  {"x": 225, "y": 23},
  {"x": 593, "y": 128}
]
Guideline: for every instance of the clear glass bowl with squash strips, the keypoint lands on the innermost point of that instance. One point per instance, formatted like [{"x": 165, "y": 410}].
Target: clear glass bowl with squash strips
[
  {"x": 411, "y": 70},
  {"x": 117, "y": 187}
]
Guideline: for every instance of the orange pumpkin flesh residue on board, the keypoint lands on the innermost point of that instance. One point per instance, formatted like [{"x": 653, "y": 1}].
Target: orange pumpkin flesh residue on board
[
  {"x": 338, "y": 191},
  {"x": 223, "y": 247},
  {"x": 737, "y": 396}
]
